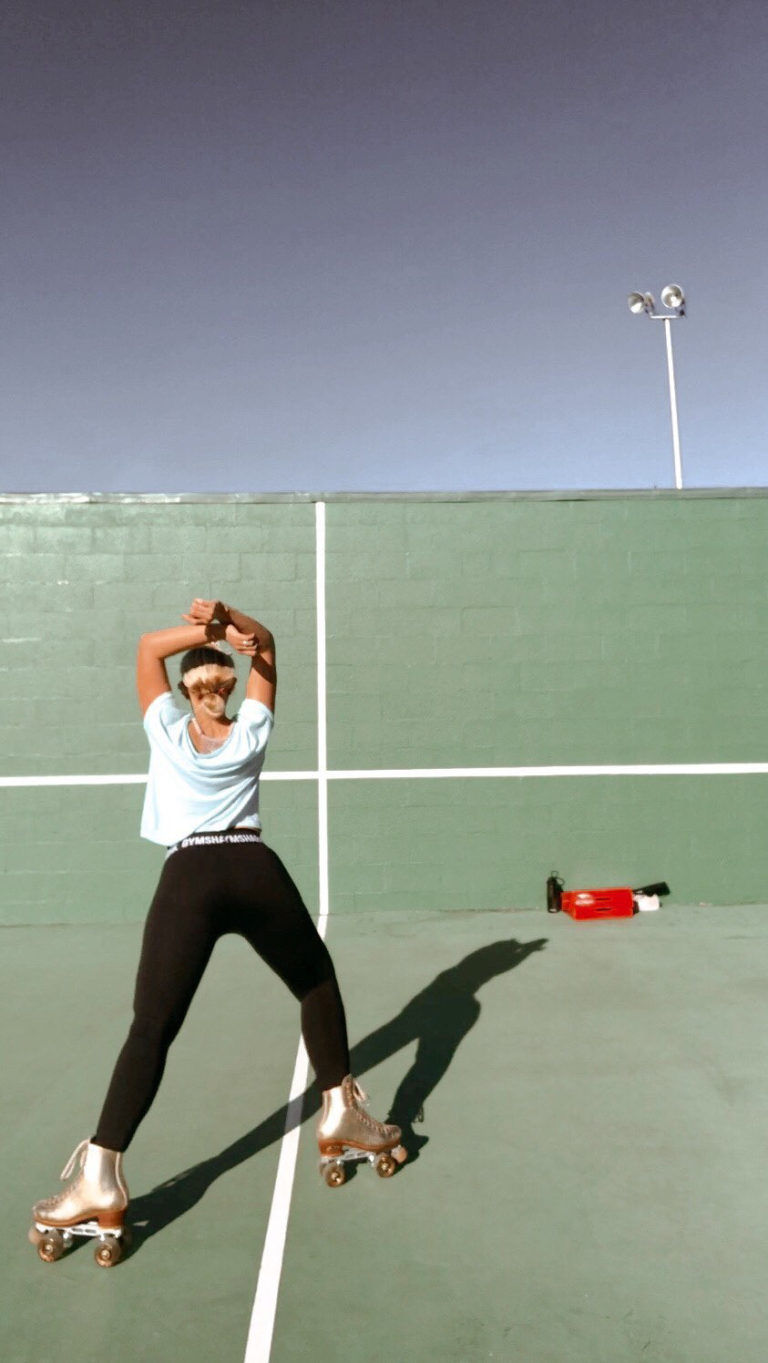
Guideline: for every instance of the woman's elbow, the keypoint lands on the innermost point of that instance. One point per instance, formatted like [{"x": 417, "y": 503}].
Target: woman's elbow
[{"x": 146, "y": 646}]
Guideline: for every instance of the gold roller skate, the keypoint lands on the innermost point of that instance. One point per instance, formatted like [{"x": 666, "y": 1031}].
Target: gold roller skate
[
  {"x": 93, "y": 1205},
  {"x": 347, "y": 1133}
]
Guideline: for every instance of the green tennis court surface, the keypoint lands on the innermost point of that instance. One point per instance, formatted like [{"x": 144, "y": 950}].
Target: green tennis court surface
[{"x": 589, "y": 1184}]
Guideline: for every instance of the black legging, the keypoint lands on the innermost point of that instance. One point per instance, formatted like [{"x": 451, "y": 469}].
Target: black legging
[{"x": 206, "y": 890}]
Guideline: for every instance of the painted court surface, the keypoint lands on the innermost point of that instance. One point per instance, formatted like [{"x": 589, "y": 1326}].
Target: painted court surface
[{"x": 589, "y": 1176}]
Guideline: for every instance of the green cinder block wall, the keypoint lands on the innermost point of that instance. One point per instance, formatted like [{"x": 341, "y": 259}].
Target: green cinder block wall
[
  {"x": 81, "y": 580},
  {"x": 476, "y": 631}
]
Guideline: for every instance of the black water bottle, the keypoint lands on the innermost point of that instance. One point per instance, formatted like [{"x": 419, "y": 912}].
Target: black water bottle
[{"x": 554, "y": 891}]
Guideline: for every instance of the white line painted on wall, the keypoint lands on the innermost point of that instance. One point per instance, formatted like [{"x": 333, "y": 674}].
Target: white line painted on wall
[
  {"x": 262, "y": 1324},
  {"x": 463, "y": 773},
  {"x": 423, "y": 774},
  {"x": 73, "y": 780},
  {"x": 322, "y": 712},
  {"x": 131, "y": 779}
]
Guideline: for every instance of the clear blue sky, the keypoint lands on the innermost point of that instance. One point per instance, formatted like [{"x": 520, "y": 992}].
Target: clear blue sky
[{"x": 326, "y": 245}]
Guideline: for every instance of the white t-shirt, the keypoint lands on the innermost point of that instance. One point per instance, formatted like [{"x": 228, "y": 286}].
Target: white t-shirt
[{"x": 192, "y": 792}]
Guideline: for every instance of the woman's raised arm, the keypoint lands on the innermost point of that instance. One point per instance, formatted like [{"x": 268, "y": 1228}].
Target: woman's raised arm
[
  {"x": 151, "y": 675},
  {"x": 262, "y": 678}
]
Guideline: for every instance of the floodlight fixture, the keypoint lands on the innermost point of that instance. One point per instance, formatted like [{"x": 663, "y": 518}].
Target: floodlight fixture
[
  {"x": 641, "y": 302},
  {"x": 673, "y": 298}
]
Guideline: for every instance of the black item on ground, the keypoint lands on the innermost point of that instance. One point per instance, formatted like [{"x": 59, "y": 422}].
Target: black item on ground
[{"x": 555, "y": 886}]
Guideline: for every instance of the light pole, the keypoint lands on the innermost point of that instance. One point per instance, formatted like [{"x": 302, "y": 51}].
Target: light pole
[{"x": 673, "y": 298}]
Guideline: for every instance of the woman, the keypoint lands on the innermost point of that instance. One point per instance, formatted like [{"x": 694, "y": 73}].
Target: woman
[{"x": 202, "y": 803}]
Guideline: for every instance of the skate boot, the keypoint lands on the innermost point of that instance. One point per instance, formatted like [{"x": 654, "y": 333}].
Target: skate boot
[
  {"x": 346, "y": 1132},
  {"x": 92, "y": 1205}
]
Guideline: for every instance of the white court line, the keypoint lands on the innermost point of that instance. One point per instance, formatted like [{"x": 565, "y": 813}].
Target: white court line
[
  {"x": 322, "y": 712},
  {"x": 130, "y": 778},
  {"x": 262, "y": 1324},
  {"x": 125, "y": 780},
  {"x": 261, "y": 1329},
  {"x": 636, "y": 769},
  {"x": 421, "y": 774}
]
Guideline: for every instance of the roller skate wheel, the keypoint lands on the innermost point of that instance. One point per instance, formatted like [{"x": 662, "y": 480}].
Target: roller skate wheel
[
  {"x": 385, "y": 1165},
  {"x": 108, "y": 1252},
  {"x": 334, "y": 1174},
  {"x": 399, "y": 1153},
  {"x": 50, "y": 1244}
]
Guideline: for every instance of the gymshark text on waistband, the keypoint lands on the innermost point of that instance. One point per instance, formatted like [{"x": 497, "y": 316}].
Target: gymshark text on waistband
[{"x": 213, "y": 840}]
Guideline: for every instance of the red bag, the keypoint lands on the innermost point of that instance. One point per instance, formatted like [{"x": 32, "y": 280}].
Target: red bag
[{"x": 613, "y": 903}]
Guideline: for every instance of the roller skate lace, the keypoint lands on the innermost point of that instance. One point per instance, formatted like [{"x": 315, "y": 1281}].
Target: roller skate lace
[
  {"x": 77, "y": 1156},
  {"x": 360, "y": 1098}
]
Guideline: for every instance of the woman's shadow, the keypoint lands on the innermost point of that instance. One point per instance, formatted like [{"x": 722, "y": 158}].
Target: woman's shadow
[{"x": 437, "y": 1018}]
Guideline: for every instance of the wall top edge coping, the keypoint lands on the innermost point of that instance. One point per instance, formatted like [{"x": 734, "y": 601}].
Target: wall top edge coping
[{"x": 584, "y": 495}]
